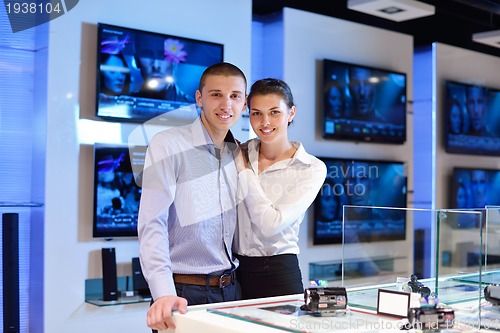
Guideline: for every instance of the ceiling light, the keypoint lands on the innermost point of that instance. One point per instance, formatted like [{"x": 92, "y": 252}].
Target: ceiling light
[
  {"x": 395, "y": 10},
  {"x": 491, "y": 38}
]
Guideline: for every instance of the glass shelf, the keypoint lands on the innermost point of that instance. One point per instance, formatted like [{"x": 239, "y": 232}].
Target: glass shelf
[{"x": 93, "y": 292}]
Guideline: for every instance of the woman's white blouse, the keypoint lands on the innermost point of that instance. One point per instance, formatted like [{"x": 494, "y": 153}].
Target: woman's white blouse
[{"x": 273, "y": 204}]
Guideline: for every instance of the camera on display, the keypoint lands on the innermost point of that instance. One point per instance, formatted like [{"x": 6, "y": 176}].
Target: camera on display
[
  {"x": 432, "y": 317},
  {"x": 415, "y": 286},
  {"x": 492, "y": 294},
  {"x": 325, "y": 301}
]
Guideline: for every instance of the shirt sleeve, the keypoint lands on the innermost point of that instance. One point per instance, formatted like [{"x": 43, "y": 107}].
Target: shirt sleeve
[
  {"x": 158, "y": 192},
  {"x": 273, "y": 217}
]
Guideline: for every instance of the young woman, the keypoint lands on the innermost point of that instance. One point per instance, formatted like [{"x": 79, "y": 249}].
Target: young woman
[{"x": 278, "y": 181}]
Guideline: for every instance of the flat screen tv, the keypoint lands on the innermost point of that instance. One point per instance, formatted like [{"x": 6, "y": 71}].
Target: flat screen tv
[
  {"x": 475, "y": 188},
  {"x": 117, "y": 189},
  {"x": 145, "y": 76},
  {"x": 363, "y": 103},
  {"x": 361, "y": 183},
  {"x": 472, "y": 119}
]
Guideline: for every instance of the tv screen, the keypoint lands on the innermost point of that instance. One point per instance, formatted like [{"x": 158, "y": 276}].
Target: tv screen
[
  {"x": 475, "y": 188},
  {"x": 363, "y": 103},
  {"x": 144, "y": 75},
  {"x": 361, "y": 183},
  {"x": 117, "y": 189},
  {"x": 472, "y": 119}
]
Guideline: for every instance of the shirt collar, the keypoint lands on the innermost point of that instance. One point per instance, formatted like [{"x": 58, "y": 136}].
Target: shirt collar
[{"x": 202, "y": 138}]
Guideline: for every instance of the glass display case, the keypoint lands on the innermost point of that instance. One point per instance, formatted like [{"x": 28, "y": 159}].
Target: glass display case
[
  {"x": 489, "y": 306},
  {"x": 377, "y": 254}
]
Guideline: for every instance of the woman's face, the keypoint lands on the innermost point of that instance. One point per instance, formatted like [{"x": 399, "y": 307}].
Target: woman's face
[
  {"x": 335, "y": 102},
  {"x": 269, "y": 117},
  {"x": 329, "y": 205},
  {"x": 461, "y": 198},
  {"x": 455, "y": 120},
  {"x": 115, "y": 74}
]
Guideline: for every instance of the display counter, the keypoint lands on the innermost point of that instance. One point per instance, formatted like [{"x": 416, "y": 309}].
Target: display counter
[
  {"x": 274, "y": 315},
  {"x": 463, "y": 267},
  {"x": 283, "y": 314}
]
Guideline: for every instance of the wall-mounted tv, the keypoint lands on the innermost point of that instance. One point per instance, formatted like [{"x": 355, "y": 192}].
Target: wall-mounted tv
[
  {"x": 474, "y": 188},
  {"x": 363, "y": 103},
  {"x": 117, "y": 189},
  {"x": 472, "y": 119},
  {"x": 361, "y": 183},
  {"x": 144, "y": 75}
]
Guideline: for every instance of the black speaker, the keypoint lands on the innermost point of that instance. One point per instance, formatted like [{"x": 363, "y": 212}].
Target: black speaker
[
  {"x": 10, "y": 255},
  {"x": 139, "y": 282},
  {"x": 109, "y": 278}
]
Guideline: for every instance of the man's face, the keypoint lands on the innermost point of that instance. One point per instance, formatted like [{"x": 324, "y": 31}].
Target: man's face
[
  {"x": 362, "y": 90},
  {"x": 157, "y": 72},
  {"x": 478, "y": 188},
  {"x": 476, "y": 106},
  {"x": 222, "y": 101},
  {"x": 357, "y": 184}
]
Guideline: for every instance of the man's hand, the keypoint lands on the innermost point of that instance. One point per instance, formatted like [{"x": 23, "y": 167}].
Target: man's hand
[{"x": 160, "y": 312}]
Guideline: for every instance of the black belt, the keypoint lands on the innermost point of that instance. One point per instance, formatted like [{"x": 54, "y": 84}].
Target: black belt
[{"x": 220, "y": 281}]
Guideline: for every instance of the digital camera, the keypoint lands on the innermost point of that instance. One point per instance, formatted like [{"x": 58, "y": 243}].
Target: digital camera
[
  {"x": 325, "y": 300},
  {"x": 415, "y": 286},
  {"x": 492, "y": 294},
  {"x": 431, "y": 317}
]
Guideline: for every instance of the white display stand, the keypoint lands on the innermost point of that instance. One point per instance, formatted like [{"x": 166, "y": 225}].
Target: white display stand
[{"x": 249, "y": 316}]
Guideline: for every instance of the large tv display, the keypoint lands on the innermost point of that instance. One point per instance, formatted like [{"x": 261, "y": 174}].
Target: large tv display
[
  {"x": 117, "y": 189},
  {"x": 361, "y": 183},
  {"x": 145, "y": 75},
  {"x": 363, "y": 103},
  {"x": 472, "y": 119},
  {"x": 475, "y": 188}
]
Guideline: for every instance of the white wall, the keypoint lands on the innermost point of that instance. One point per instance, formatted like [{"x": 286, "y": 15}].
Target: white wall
[
  {"x": 71, "y": 255},
  {"x": 300, "y": 42}
]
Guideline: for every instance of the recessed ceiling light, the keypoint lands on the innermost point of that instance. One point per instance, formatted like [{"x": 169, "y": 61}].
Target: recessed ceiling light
[
  {"x": 491, "y": 38},
  {"x": 395, "y": 10}
]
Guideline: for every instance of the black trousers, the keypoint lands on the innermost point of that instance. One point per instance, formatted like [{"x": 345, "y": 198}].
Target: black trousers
[{"x": 269, "y": 276}]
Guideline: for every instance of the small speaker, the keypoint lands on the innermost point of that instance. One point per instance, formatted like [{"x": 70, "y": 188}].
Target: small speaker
[
  {"x": 10, "y": 256},
  {"x": 109, "y": 278},
  {"x": 139, "y": 282}
]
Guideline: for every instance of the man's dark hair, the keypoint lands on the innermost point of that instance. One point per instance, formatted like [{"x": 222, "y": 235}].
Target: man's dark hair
[{"x": 224, "y": 69}]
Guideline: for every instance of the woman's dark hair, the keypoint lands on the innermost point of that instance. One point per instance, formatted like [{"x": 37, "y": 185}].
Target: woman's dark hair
[
  {"x": 454, "y": 102},
  {"x": 271, "y": 86}
]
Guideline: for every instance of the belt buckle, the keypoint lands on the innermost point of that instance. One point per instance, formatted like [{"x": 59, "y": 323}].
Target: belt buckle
[{"x": 222, "y": 284}]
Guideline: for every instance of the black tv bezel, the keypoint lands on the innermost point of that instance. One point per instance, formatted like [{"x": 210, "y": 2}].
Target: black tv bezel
[
  {"x": 113, "y": 233},
  {"x": 316, "y": 204},
  {"x": 361, "y": 138},
  {"x": 100, "y": 27},
  {"x": 446, "y": 123}
]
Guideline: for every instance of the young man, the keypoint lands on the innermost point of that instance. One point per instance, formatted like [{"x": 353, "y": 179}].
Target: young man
[
  {"x": 188, "y": 212},
  {"x": 362, "y": 91}
]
